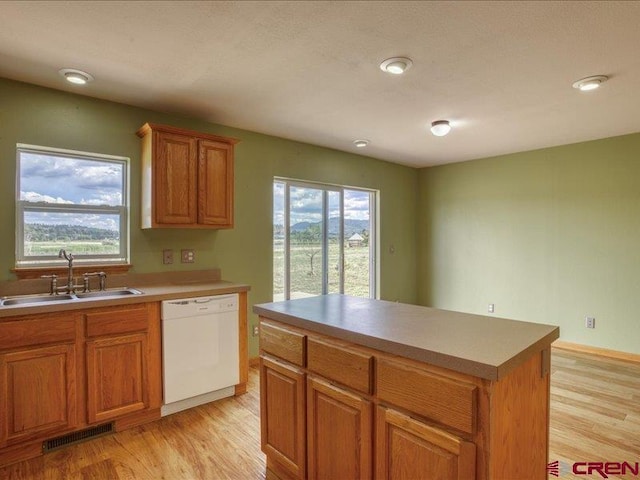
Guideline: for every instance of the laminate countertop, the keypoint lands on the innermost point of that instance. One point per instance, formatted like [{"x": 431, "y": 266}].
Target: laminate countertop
[
  {"x": 154, "y": 288},
  {"x": 478, "y": 345}
]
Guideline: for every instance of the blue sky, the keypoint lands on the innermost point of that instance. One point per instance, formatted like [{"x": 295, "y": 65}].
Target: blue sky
[
  {"x": 63, "y": 180},
  {"x": 69, "y": 180},
  {"x": 307, "y": 204}
]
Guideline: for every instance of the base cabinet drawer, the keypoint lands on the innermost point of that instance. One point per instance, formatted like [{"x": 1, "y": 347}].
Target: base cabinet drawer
[
  {"x": 407, "y": 449},
  {"x": 283, "y": 343},
  {"x": 444, "y": 400},
  {"x": 344, "y": 365}
]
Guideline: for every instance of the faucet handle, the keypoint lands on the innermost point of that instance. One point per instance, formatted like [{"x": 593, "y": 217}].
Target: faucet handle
[
  {"x": 103, "y": 280},
  {"x": 86, "y": 277},
  {"x": 54, "y": 283}
]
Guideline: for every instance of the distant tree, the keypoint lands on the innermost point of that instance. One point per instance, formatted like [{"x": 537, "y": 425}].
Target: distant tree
[
  {"x": 365, "y": 237},
  {"x": 310, "y": 236}
]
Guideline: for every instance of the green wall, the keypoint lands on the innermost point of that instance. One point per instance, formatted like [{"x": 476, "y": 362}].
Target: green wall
[
  {"x": 40, "y": 116},
  {"x": 549, "y": 236}
]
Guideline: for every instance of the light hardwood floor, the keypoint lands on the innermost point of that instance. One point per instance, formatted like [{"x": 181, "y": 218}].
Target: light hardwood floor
[
  {"x": 595, "y": 416},
  {"x": 595, "y": 411}
]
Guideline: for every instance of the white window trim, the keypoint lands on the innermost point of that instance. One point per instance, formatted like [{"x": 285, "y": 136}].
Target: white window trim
[{"x": 122, "y": 211}]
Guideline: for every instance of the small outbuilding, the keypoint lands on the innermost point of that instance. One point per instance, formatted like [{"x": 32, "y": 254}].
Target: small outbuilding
[{"x": 355, "y": 240}]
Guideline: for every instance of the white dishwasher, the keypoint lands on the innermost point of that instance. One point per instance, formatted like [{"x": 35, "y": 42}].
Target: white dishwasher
[{"x": 200, "y": 350}]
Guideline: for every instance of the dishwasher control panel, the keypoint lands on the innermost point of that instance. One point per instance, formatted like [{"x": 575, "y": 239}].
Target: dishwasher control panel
[{"x": 187, "y": 307}]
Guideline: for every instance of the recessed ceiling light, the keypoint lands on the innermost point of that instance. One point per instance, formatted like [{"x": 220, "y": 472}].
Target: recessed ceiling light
[
  {"x": 77, "y": 77},
  {"x": 361, "y": 143},
  {"x": 440, "y": 128},
  {"x": 396, "y": 65},
  {"x": 590, "y": 83}
]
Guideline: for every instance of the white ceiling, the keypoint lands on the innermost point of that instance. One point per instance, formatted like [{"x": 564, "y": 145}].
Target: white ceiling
[{"x": 501, "y": 72}]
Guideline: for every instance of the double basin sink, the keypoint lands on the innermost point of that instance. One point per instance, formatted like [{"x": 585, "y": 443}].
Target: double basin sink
[{"x": 67, "y": 297}]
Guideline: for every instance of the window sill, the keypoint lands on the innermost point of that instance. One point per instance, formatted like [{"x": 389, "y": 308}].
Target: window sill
[{"x": 36, "y": 272}]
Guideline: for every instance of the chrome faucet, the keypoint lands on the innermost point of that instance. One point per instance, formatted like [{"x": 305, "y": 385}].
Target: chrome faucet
[{"x": 69, "y": 258}]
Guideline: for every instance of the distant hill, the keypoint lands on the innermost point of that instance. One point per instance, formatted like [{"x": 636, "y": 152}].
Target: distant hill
[
  {"x": 350, "y": 226},
  {"x": 39, "y": 232}
]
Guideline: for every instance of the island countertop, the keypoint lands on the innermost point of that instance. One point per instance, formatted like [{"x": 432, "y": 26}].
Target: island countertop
[{"x": 478, "y": 345}]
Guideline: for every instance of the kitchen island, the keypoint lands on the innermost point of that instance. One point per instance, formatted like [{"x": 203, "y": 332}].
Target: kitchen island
[{"x": 357, "y": 388}]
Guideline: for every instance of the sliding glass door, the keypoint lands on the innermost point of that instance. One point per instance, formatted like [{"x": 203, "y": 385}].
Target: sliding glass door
[{"x": 323, "y": 240}]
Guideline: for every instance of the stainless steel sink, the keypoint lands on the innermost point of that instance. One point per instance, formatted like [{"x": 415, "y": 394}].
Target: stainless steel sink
[
  {"x": 25, "y": 299},
  {"x": 121, "y": 292},
  {"x": 44, "y": 299}
]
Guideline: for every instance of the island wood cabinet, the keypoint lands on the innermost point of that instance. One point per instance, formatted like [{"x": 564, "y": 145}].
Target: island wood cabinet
[
  {"x": 283, "y": 420},
  {"x": 331, "y": 409},
  {"x": 187, "y": 178},
  {"x": 63, "y": 372},
  {"x": 339, "y": 432}
]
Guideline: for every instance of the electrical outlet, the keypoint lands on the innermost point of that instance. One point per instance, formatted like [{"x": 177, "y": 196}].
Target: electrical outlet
[
  {"x": 256, "y": 330},
  {"x": 491, "y": 308},
  {"x": 187, "y": 256},
  {"x": 167, "y": 256},
  {"x": 590, "y": 322}
]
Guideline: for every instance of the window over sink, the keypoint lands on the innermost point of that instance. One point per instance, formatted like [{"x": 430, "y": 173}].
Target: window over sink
[{"x": 72, "y": 200}]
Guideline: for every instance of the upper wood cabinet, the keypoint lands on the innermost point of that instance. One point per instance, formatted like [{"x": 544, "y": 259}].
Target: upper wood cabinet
[{"x": 187, "y": 178}]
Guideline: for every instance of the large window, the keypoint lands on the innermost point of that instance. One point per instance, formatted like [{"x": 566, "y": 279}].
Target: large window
[
  {"x": 72, "y": 200},
  {"x": 324, "y": 240}
]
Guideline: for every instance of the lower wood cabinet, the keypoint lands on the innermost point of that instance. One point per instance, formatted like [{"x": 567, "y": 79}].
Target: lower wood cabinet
[
  {"x": 37, "y": 392},
  {"x": 407, "y": 449},
  {"x": 282, "y": 417},
  {"x": 62, "y": 372},
  {"x": 339, "y": 440},
  {"x": 117, "y": 377}
]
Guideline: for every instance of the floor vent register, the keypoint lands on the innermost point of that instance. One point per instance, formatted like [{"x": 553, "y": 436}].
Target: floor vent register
[{"x": 76, "y": 437}]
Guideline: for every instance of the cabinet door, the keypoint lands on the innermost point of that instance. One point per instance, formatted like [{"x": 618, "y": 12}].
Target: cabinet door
[
  {"x": 117, "y": 377},
  {"x": 282, "y": 416},
  {"x": 175, "y": 177},
  {"x": 215, "y": 183},
  {"x": 339, "y": 438},
  {"x": 37, "y": 392},
  {"x": 409, "y": 449}
]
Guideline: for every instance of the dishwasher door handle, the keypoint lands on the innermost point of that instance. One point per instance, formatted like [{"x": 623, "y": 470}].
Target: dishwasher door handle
[{"x": 203, "y": 300}]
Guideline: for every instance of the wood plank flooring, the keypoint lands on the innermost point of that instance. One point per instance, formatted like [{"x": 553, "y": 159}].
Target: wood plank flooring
[
  {"x": 220, "y": 440},
  {"x": 595, "y": 416},
  {"x": 595, "y": 412}
]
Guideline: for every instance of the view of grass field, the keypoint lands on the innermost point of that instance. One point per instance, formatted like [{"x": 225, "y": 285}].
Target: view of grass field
[
  {"x": 304, "y": 280},
  {"x": 78, "y": 247}
]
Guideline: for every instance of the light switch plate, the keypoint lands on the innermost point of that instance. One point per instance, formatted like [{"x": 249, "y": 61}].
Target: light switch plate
[{"x": 167, "y": 256}]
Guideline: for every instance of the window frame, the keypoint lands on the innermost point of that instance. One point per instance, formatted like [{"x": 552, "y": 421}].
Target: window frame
[{"x": 24, "y": 206}]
